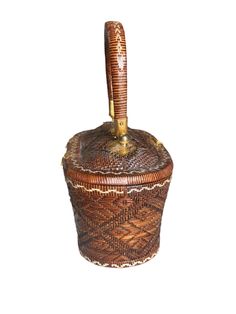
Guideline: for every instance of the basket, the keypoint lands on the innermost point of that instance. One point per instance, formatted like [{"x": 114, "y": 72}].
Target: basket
[{"x": 117, "y": 177}]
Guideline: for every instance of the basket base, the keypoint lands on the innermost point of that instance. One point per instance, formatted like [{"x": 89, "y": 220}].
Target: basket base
[{"x": 121, "y": 265}]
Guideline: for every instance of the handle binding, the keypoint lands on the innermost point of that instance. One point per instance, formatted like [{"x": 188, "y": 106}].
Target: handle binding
[{"x": 116, "y": 72}]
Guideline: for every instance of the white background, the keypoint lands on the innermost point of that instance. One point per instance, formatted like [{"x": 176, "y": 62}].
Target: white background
[{"x": 182, "y": 78}]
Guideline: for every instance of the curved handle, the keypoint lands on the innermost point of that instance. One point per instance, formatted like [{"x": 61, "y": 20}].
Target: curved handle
[{"x": 116, "y": 71}]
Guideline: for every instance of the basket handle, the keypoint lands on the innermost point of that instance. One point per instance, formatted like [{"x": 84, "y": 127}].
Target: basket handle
[{"x": 116, "y": 72}]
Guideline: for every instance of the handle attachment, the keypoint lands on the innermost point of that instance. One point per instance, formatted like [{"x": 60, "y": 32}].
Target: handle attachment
[{"x": 116, "y": 72}]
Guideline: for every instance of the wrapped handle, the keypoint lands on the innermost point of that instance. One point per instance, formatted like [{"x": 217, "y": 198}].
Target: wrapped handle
[{"x": 116, "y": 71}]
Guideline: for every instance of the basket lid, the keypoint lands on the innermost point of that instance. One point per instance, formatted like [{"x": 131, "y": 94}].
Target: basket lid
[
  {"x": 94, "y": 156},
  {"x": 113, "y": 153}
]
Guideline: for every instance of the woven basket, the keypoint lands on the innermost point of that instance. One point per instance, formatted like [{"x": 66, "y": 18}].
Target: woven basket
[{"x": 117, "y": 177}]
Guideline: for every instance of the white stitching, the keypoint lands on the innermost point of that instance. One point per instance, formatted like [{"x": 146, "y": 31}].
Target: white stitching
[
  {"x": 76, "y": 186},
  {"x": 120, "y": 265},
  {"x": 149, "y": 189}
]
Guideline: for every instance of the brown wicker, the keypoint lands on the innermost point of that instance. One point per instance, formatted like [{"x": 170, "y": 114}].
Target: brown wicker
[{"x": 118, "y": 177}]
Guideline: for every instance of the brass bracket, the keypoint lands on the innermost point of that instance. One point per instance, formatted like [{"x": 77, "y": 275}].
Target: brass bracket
[
  {"x": 121, "y": 127},
  {"x": 111, "y": 109},
  {"x": 155, "y": 142},
  {"x": 122, "y": 146}
]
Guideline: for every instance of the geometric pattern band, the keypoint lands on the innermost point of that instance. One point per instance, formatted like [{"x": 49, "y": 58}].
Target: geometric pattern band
[{"x": 119, "y": 230}]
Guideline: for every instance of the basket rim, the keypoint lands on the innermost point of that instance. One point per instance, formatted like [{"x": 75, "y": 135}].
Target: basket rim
[{"x": 124, "y": 180}]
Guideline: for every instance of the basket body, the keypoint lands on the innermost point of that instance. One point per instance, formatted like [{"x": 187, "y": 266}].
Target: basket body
[{"x": 118, "y": 226}]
